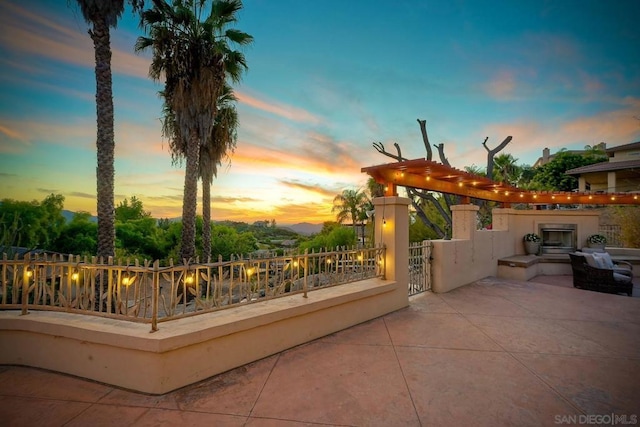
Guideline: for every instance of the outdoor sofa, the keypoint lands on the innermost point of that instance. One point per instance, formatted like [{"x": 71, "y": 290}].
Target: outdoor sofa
[{"x": 598, "y": 272}]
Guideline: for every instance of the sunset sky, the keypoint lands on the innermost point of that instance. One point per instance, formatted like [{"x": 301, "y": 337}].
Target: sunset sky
[{"x": 326, "y": 79}]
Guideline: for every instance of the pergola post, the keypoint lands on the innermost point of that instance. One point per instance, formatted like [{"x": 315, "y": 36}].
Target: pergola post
[{"x": 391, "y": 227}]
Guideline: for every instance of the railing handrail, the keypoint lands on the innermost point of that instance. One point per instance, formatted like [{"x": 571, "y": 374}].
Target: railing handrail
[{"x": 150, "y": 293}]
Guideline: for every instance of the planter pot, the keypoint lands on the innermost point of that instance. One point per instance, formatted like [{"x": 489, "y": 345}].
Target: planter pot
[
  {"x": 532, "y": 248},
  {"x": 596, "y": 245}
]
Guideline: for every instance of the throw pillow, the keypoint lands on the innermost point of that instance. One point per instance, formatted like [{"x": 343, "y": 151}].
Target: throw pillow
[{"x": 605, "y": 259}]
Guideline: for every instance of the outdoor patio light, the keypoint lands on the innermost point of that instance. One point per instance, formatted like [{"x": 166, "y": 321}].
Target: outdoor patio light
[
  {"x": 249, "y": 273},
  {"x": 29, "y": 273},
  {"x": 74, "y": 275},
  {"x": 126, "y": 281}
]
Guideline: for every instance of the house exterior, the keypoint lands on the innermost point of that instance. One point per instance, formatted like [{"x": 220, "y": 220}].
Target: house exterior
[
  {"x": 547, "y": 156},
  {"x": 620, "y": 174}
]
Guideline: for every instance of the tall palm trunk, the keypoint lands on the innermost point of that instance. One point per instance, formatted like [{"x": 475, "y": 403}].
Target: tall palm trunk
[
  {"x": 190, "y": 199},
  {"x": 206, "y": 219},
  {"x": 105, "y": 140}
]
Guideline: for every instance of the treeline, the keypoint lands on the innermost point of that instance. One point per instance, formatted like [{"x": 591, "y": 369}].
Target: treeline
[{"x": 42, "y": 225}]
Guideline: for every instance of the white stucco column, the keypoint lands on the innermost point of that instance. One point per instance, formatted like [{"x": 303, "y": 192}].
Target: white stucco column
[
  {"x": 392, "y": 230},
  {"x": 465, "y": 220},
  {"x": 611, "y": 182},
  {"x": 582, "y": 184}
]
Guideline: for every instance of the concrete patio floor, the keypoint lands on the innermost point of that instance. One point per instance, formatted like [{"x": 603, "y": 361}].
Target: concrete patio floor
[{"x": 494, "y": 352}]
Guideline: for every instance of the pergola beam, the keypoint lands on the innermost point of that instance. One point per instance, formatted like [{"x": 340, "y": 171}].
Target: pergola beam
[{"x": 433, "y": 176}]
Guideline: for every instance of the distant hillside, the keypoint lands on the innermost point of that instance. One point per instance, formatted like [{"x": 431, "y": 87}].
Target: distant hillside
[
  {"x": 304, "y": 228},
  {"x": 68, "y": 216}
]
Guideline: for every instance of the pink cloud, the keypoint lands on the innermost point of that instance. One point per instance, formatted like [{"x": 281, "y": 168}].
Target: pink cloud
[
  {"x": 502, "y": 86},
  {"x": 279, "y": 109},
  {"x": 30, "y": 33}
]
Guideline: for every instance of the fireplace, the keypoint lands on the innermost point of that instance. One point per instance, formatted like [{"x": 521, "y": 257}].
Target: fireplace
[{"x": 558, "y": 238}]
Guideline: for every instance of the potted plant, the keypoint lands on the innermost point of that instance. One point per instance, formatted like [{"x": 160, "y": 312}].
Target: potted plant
[
  {"x": 531, "y": 243},
  {"x": 597, "y": 241}
]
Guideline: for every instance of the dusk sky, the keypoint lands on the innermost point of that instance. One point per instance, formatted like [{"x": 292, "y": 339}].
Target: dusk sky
[{"x": 326, "y": 79}]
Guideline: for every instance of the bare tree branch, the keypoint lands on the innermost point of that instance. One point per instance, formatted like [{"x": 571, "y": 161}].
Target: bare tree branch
[
  {"x": 443, "y": 158},
  {"x": 425, "y": 138},
  {"x": 380, "y": 149},
  {"x": 493, "y": 152}
]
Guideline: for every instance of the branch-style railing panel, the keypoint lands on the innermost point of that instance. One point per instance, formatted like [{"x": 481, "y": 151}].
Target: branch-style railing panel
[{"x": 149, "y": 293}]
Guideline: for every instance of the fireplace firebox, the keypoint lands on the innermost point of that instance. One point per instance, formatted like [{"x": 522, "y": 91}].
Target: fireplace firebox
[{"x": 558, "y": 238}]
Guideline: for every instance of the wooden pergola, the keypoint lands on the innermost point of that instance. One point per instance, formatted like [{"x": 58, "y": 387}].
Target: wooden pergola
[{"x": 433, "y": 176}]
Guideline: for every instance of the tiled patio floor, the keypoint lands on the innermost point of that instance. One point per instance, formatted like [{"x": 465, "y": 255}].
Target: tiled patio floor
[{"x": 491, "y": 353}]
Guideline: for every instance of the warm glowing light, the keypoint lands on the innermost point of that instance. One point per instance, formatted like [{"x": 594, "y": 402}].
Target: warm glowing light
[
  {"x": 613, "y": 198},
  {"x": 521, "y": 195},
  {"x": 328, "y": 260},
  {"x": 74, "y": 276},
  {"x": 568, "y": 197},
  {"x": 29, "y": 273},
  {"x": 360, "y": 257},
  {"x": 384, "y": 222},
  {"x": 553, "y": 197},
  {"x": 249, "y": 273},
  {"x": 635, "y": 197},
  {"x": 506, "y": 193},
  {"x": 126, "y": 281},
  {"x": 460, "y": 184},
  {"x": 295, "y": 263},
  {"x": 535, "y": 196},
  {"x": 590, "y": 197},
  {"x": 428, "y": 177}
]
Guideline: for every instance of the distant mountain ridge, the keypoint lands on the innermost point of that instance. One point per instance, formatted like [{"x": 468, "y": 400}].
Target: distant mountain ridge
[
  {"x": 304, "y": 228},
  {"x": 68, "y": 216}
]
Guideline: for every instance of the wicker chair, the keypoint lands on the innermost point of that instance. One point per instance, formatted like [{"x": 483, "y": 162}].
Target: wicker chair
[{"x": 598, "y": 279}]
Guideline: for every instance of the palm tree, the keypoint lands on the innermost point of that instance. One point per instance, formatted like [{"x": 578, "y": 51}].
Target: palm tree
[
  {"x": 101, "y": 15},
  {"x": 350, "y": 204},
  {"x": 222, "y": 141},
  {"x": 194, "y": 57},
  {"x": 505, "y": 169}
]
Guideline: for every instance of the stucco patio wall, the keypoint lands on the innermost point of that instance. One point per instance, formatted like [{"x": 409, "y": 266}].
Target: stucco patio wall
[
  {"x": 184, "y": 351},
  {"x": 473, "y": 254}
]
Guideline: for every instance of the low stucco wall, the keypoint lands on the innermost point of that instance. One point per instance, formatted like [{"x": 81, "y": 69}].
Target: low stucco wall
[
  {"x": 458, "y": 262},
  {"x": 188, "y": 350},
  {"x": 473, "y": 254}
]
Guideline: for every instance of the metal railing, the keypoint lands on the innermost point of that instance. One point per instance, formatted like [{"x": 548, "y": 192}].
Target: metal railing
[
  {"x": 149, "y": 293},
  {"x": 420, "y": 267}
]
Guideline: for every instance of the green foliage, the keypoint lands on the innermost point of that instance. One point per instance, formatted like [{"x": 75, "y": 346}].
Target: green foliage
[
  {"x": 141, "y": 238},
  {"x": 226, "y": 241},
  {"x": 32, "y": 224},
  {"x": 79, "y": 237},
  {"x": 551, "y": 176},
  {"x": 127, "y": 211},
  {"x": 531, "y": 237},
  {"x": 419, "y": 231},
  {"x": 332, "y": 236}
]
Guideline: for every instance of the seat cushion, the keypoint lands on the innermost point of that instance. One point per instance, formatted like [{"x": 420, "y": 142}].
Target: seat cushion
[
  {"x": 621, "y": 278},
  {"x": 622, "y": 270}
]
